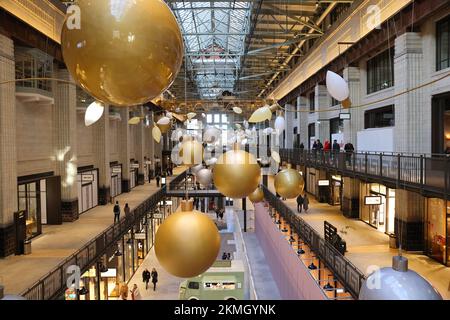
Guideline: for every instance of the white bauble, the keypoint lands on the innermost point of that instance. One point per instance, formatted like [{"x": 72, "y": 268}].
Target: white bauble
[
  {"x": 204, "y": 176},
  {"x": 337, "y": 87}
]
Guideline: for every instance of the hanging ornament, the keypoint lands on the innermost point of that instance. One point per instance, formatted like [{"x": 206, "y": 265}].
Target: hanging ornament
[
  {"x": 211, "y": 135},
  {"x": 237, "y": 110},
  {"x": 156, "y": 133},
  {"x": 169, "y": 115},
  {"x": 289, "y": 183},
  {"x": 276, "y": 156},
  {"x": 191, "y": 115},
  {"x": 164, "y": 124},
  {"x": 114, "y": 57},
  {"x": 93, "y": 113},
  {"x": 280, "y": 124},
  {"x": 134, "y": 120},
  {"x": 211, "y": 162},
  {"x": 191, "y": 152},
  {"x": 261, "y": 114},
  {"x": 397, "y": 283},
  {"x": 256, "y": 196},
  {"x": 204, "y": 176},
  {"x": 245, "y": 124},
  {"x": 187, "y": 243},
  {"x": 236, "y": 173},
  {"x": 196, "y": 169},
  {"x": 337, "y": 87}
]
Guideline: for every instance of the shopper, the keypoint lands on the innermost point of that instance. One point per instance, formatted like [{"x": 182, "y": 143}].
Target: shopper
[
  {"x": 135, "y": 294},
  {"x": 319, "y": 145},
  {"x": 348, "y": 148},
  {"x": 221, "y": 214},
  {"x": 154, "y": 275},
  {"x": 327, "y": 146},
  {"x": 299, "y": 203},
  {"x": 305, "y": 203},
  {"x": 302, "y": 147},
  {"x": 224, "y": 256},
  {"x": 123, "y": 292},
  {"x": 336, "y": 146},
  {"x": 157, "y": 180},
  {"x": 126, "y": 210},
  {"x": 116, "y": 211},
  {"x": 146, "y": 277},
  {"x": 228, "y": 256}
]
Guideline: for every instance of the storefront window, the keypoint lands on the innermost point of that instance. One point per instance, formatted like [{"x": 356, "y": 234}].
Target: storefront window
[
  {"x": 29, "y": 201},
  {"x": 382, "y": 216},
  {"x": 436, "y": 233}
]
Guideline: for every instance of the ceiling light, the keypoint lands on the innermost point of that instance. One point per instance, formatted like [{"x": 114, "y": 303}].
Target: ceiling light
[
  {"x": 328, "y": 287},
  {"x": 312, "y": 266}
]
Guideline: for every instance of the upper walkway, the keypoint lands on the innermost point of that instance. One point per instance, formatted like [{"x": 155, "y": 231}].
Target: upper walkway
[{"x": 57, "y": 242}]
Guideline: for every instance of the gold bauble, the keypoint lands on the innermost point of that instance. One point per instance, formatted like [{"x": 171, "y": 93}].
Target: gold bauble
[
  {"x": 164, "y": 127},
  {"x": 256, "y": 196},
  {"x": 289, "y": 183},
  {"x": 236, "y": 174},
  {"x": 191, "y": 152},
  {"x": 187, "y": 244},
  {"x": 124, "y": 52},
  {"x": 347, "y": 103}
]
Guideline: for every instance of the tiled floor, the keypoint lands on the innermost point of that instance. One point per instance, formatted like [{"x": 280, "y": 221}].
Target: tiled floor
[
  {"x": 17, "y": 273},
  {"x": 367, "y": 246}
]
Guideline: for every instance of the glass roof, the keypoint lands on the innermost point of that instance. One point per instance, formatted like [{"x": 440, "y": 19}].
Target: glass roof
[{"x": 214, "y": 34}]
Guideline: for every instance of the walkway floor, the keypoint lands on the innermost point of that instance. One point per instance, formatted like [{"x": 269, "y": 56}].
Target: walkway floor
[
  {"x": 57, "y": 242},
  {"x": 367, "y": 247}
]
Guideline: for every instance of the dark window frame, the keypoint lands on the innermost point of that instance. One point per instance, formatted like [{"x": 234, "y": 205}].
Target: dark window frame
[
  {"x": 312, "y": 102},
  {"x": 376, "y": 118},
  {"x": 442, "y": 63},
  {"x": 380, "y": 71}
]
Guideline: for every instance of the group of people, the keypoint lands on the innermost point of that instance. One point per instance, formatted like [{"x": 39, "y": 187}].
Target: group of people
[
  {"x": 226, "y": 256},
  {"x": 116, "y": 211},
  {"x": 135, "y": 294},
  {"x": 147, "y": 276},
  {"x": 302, "y": 203},
  {"x": 219, "y": 213},
  {"x": 327, "y": 146}
]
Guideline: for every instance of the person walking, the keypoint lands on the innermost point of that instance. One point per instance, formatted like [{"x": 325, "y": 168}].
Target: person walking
[
  {"x": 135, "y": 294},
  {"x": 327, "y": 146},
  {"x": 224, "y": 256},
  {"x": 305, "y": 203},
  {"x": 146, "y": 277},
  {"x": 123, "y": 292},
  {"x": 221, "y": 214},
  {"x": 348, "y": 148},
  {"x": 336, "y": 146},
  {"x": 302, "y": 147},
  {"x": 154, "y": 275},
  {"x": 299, "y": 203},
  {"x": 116, "y": 211},
  {"x": 319, "y": 145},
  {"x": 157, "y": 180},
  {"x": 127, "y": 210}
]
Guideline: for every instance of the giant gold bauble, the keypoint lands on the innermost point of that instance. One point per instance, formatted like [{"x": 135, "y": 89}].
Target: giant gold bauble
[
  {"x": 289, "y": 183},
  {"x": 123, "y": 52},
  {"x": 191, "y": 152},
  {"x": 256, "y": 196},
  {"x": 236, "y": 174},
  {"x": 187, "y": 244}
]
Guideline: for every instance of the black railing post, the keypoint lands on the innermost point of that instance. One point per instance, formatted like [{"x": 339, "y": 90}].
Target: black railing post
[
  {"x": 398, "y": 169},
  {"x": 365, "y": 163},
  {"x": 421, "y": 171},
  {"x": 381, "y": 164}
]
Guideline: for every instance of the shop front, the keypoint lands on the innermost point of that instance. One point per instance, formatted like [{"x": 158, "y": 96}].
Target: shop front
[
  {"x": 87, "y": 180},
  {"x": 134, "y": 174},
  {"x": 378, "y": 207},
  {"x": 39, "y": 197},
  {"x": 437, "y": 236},
  {"x": 116, "y": 179},
  {"x": 312, "y": 178}
]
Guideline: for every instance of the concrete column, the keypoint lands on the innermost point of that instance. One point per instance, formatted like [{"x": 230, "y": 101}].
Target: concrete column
[
  {"x": 65, "y": 144},
  {"x": 150, "y": 142},
  {"x": 351, "y": 127},
  {"x": 350, "y": 201},
  {"x": 140, "y": 146},
  {"x": 289, "y": 121},
  {"x": 322, "y": 102},
  {"x": 303, "y": 120},
  {"x": 124, "y": 148},
  {"x": 409, "y": 220},
  {"x": 410, "y": 132},
  {"x": 8, "y": 158},
  {"x": 101, "y": 156}
]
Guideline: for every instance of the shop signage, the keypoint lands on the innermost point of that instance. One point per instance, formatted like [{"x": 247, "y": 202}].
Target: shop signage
[
  {"x": 87, "y": 177},
  {"x": 157, "y": 216},
  {"x": 117, "y": 170},
  {"x": 139, "y": 236},
  {"x": 134, "y": 165},
  {"x": 337, "y": 178},
  {"x": 323, "y": 183},
  {"x": 372, "y": 200},
  {"x": 345, "y": 116}
]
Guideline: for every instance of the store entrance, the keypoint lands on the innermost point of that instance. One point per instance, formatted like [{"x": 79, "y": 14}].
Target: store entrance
[
  {"x": 441, "y": 124},
  {"x": 379, "y": 214}
]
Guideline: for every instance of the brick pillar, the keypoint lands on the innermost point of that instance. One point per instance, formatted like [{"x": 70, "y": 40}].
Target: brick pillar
[
  {"x": 140, "y": 146},
  {"x": 350, "y": 201},
  {"x": 412, "y": 121},
  {"x": 351, "y": 127},
  {"x": 65, "y": 144},
  {"x": 303, "y": 120},
  {"x": 322, "y": 102},
  {"x": 409, "y": 220},
  {"x": 8, "y": 158},
  {"x": 101, "y": 136},
  {"x": 124, "y": 148}
]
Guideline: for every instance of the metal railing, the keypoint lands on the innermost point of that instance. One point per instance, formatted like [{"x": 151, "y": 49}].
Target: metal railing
[
  {"x": 53, "y": 283},
  {"x": 350, "y": 276},
  {"x": 425, "y": 172}
]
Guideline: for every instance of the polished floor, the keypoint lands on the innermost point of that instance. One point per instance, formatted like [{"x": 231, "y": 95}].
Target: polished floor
[{"x": 368, "y": 247}]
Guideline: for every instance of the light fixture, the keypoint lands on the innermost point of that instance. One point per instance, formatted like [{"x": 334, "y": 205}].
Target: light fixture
[
  {"x": 300, "y": 251},
  {"x": 93, "y": 113},
  {"x": 312, "y": 266},
  {"x": 134, "y": 120},
  {"x": 328, "y": 287}
]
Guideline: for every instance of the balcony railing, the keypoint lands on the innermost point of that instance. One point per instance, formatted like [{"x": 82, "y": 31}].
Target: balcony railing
[
  {"x": 351, "y": 277},
  {"x": 54, "y": 283},
  {"x": 425, "y": 172}
]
